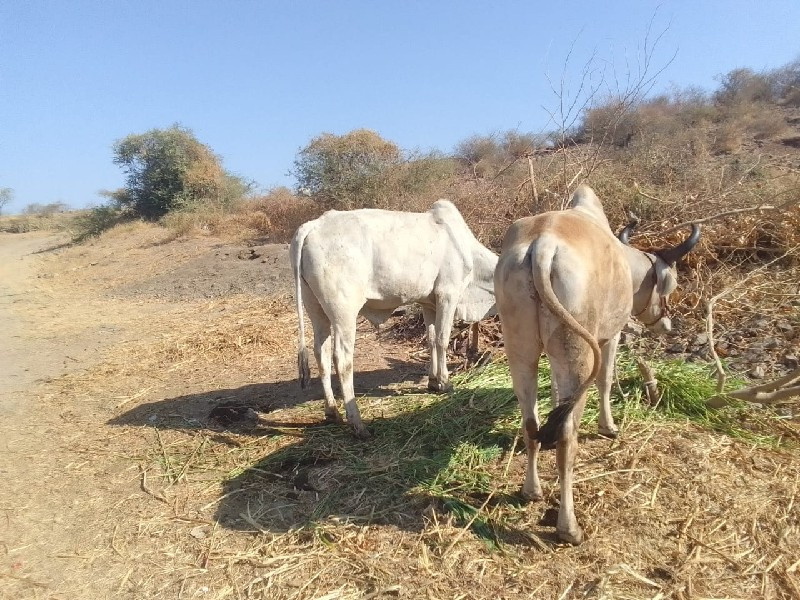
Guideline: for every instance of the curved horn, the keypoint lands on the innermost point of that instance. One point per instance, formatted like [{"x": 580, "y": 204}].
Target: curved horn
[
  {"x": 624, "y": 235},
  {"x": 671, "y": 255}
]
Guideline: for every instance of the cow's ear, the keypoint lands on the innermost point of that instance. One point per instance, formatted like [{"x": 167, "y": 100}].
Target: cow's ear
[{"x": 665, "y": 275}]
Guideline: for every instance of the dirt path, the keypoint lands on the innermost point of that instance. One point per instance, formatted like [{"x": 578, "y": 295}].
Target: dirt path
[
  {"x": 41, "y": 501},
  {"x": 24, "y": 359}
]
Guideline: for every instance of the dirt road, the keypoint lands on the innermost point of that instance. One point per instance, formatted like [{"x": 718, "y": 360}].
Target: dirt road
[
  {"x": 25, "y": 358},
  {"x": 46, "y": 514}
]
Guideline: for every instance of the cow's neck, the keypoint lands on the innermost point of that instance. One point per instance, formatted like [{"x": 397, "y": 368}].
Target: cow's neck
[{"x": 643, "y": 277}]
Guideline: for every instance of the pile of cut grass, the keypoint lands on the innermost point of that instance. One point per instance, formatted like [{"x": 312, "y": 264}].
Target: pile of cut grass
[
  {"x": 432, "y": 499},
  {"x": 451, "y": 450}
]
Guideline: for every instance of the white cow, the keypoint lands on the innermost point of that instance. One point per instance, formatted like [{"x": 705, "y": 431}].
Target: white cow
[
  {"x": 369, "y": 262},
  {"x": 566, "y": 286}
]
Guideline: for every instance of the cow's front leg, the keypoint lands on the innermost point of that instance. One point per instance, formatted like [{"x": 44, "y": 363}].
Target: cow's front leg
[
  {"x": 429, "y": 315},
  {"x": 344, "y": 338},
  {"x": 605, "y": 425},
  {"x": 445, "y": 311}
]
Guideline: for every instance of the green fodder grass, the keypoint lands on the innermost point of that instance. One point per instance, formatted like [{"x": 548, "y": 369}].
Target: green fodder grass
[{"x": 437, "y": 488}]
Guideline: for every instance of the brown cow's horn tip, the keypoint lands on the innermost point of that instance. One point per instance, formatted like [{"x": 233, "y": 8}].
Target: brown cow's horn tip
[{"x": 672, "y": 255}]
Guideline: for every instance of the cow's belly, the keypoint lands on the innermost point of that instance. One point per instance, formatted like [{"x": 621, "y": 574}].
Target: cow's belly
[
  {"x": 398, "y": 294},
  {"x": 378, "y": 310}
]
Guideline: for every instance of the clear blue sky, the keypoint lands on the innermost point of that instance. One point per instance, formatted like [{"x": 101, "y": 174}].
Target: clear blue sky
[{"x": 257, "y": 80}]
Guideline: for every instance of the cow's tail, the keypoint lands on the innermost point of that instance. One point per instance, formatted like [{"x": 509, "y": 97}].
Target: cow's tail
[
  {"x": 542, "y": 262},
  {"x": 296, "y": 255}
]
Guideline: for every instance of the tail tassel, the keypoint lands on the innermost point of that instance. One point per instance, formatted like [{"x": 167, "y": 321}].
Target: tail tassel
[{"x": 551, "y": 431}]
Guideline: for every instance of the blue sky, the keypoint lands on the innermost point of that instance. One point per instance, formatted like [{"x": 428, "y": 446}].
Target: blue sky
[{"x": 257, "y": 80}]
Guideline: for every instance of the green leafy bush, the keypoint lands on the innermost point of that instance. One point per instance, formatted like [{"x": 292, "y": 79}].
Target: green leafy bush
[{"x": 168, "y": 169}]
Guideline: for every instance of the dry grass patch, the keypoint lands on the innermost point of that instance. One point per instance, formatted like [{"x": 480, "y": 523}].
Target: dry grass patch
[
  {"x": 280, "y": 505},
  {"x": 274, "y": 216}
]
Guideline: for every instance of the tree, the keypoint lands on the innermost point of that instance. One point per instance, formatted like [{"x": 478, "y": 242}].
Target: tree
[
  {"x": 6, "y": 196},
  {"x": 744, "y": 86},
  {"x": 168, "y": 169},
  {"x": 346, "y": 171}
]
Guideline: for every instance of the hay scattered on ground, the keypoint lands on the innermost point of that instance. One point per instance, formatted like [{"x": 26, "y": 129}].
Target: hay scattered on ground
[{"x": 288, "y": 507}]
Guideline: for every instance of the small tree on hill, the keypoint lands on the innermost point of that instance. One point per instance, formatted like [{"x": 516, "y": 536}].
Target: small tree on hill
[
  {"x": 168, "y": 169},
  {"x": 346, "y": 171},
  {"x": 744, "y": 86},
  {"x": 6, "y": 196}
]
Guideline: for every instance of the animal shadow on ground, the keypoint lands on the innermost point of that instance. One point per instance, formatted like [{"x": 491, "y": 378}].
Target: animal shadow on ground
[
  {"x": 440, "y": 453},
  {"x": 201, "y": 410}
]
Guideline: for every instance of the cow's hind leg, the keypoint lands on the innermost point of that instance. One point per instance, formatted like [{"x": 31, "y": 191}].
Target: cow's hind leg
[
  {"x": 429, "y": 314},
  {"x": 605, "y": 425},
  {"x": 344, "y": 340},
  {"x": 570, "y": 375},
  {"x": 524, "y": 374},
  {"x": 322, "y": 351}
]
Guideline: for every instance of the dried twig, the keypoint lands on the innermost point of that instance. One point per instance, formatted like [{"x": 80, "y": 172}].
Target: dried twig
[
  {"x": 533, "y": 180},
  {"x": 650, "y": 382},
  {"x": 772, "y": 392},
  {"x": 728, "y": 213},
  {"x": 145, "y": 488}
]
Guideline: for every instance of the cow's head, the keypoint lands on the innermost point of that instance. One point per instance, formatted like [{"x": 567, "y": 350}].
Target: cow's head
[{"x": 655, "y": 314}]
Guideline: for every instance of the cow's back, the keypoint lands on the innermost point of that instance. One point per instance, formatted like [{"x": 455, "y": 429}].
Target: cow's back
[
  {"x": 381, "y": 257},
  {"x": 588, "y": 273}
]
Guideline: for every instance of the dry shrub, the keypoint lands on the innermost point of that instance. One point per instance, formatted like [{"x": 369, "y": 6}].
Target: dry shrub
[
  {"x": 55, "y": 221},
  {"x": 610, "y": 123},
  {"x": 767, "y": 124},
  {"x": 201, "y": 218},
  {"x": 275, "y": 216},
  {"x": 727, "y": 138},
  {"x": 279, "y": 213},
  {"x": 792, "y": 97}
]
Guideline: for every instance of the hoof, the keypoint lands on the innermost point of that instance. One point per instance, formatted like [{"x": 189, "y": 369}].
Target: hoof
[
  {"x": 611, "y": 434},
  {"x": 435, "y": 385},
  {"x": 333, "y": 416},
  {"x": 574, "y": 537},
  {"x": 362, "y": 433},
  {"x": 531, "y": 496}
]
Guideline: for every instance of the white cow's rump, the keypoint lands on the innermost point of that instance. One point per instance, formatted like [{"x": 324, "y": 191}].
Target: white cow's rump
[
  {"x": 369, "y": 262},
  {"x": 566, "y": 286}
]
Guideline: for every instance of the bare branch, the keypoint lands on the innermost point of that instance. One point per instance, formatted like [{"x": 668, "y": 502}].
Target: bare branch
[
  {"x": 650, "y": 382},
  {"x": 772, "y": 392},
  {"x": 709, "y": 309},
  {"x": 727, "y": 213}
]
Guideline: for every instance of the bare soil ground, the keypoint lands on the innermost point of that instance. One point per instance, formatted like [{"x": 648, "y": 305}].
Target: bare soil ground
[{"x": 119, "y": 481}]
